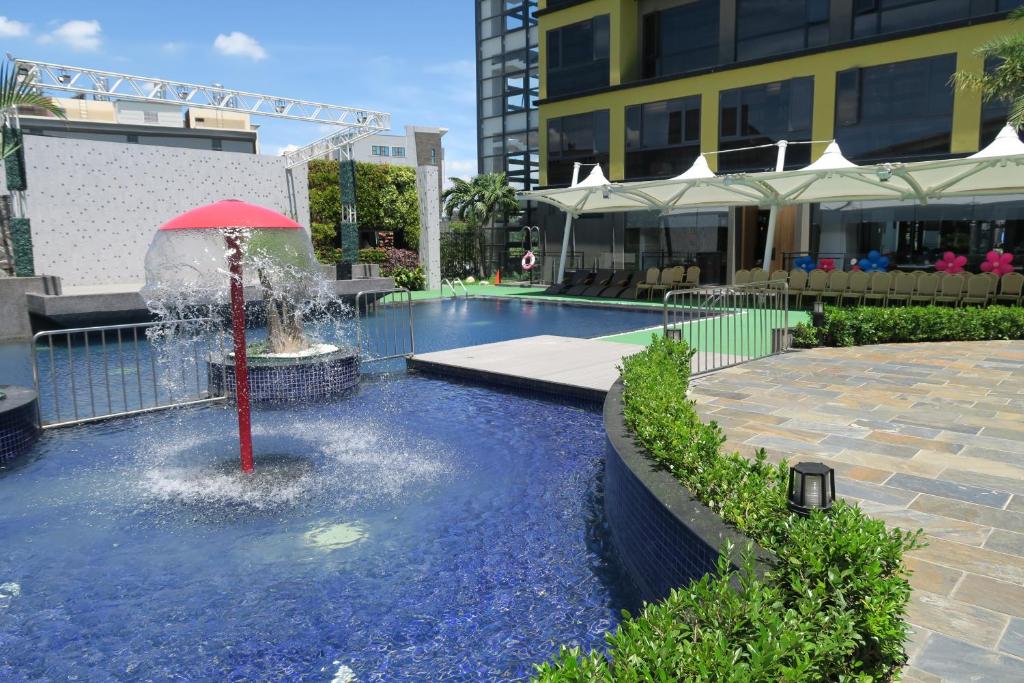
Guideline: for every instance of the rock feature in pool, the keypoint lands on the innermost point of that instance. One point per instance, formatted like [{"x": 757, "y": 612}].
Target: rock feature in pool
[
  {"x": 19, "y": 427},
  {"x": 277, "y": 379}
]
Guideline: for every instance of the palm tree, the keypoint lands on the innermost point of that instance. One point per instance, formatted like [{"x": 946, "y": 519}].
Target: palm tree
[
  {"x": 479, "y": 202},
  {"x": 15, "y": 92},
  {"x": 1005, "y": 82}
]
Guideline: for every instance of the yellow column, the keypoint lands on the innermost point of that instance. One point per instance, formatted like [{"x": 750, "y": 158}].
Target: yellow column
[
  {"x": 624, "y": 52},
  {"x": 824, "y": 117},
  {"x": 616, "y": 141},
  {"x": 967, "y": 105},
  {"x": 709, "y": 125}
]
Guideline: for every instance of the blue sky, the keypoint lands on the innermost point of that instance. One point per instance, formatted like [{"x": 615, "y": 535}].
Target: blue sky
[{"x": 411, "y": 58}]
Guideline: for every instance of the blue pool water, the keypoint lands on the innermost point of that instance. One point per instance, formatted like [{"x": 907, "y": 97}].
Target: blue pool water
[{"x": 417, "y": 530}]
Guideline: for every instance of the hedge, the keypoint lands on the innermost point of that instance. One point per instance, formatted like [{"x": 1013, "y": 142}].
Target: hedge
[
  {"x": 831, "y": 608},
  {"x": 868, "y": 325}
]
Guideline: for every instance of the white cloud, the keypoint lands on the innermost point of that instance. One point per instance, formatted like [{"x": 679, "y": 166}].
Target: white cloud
[
  {"x": 281, "y": 151},
  {"x": 172, "y": 47},
  {"x": 238, "y": 44},
  {"x": 459, "y": 168},
  {"x": 9, "y": 28},
  {"x": 77, "y": 34}
]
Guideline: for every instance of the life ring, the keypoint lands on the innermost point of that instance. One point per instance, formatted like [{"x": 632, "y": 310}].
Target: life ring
[{"x": 529, "y": 260}]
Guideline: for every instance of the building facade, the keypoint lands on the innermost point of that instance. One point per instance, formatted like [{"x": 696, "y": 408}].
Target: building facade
[
  {"x": 642, "y": 87},
  {"x": 420, "y": 146}
]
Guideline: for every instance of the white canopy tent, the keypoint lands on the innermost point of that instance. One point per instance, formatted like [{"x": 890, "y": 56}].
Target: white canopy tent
[{"x": 998, "y": 169}]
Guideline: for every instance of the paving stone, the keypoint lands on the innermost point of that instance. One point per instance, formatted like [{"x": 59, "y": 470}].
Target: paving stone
[
  {"x": 989, "y": 481},
  {"x": 1000, "y": 566},
  {"x": 937, "y": 526},
  {"x": 971, "y": 623},
  {"x": 1013, "y": 641},
  {"x": 858, "y": 445},
  {"x": 1016, "y": 504},
  {"x": 998, "y": 596},
  {"x": 950, "y": 489},
  {"x": 931, "y": 577},
  {"x": 874, "y": 492},
  {"x": 969, "y": 512},
  {"x": 1005, "y": 542},
  {"x": 956, "y": 660}
]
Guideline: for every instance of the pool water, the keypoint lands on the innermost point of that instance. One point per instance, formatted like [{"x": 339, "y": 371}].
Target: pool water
[{"x": 417, "y": 530}]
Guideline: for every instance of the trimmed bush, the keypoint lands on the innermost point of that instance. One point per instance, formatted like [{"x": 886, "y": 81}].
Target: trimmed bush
[
  {"x": 373, "y": 255},
  {"x": 867, "y": 325},
  {"x": 830, "y": 609}
]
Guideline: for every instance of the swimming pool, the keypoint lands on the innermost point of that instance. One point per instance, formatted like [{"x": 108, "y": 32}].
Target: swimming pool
[{"x": 416, "y": 530}]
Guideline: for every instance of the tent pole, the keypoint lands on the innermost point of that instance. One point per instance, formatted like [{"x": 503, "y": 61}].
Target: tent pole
[
  {"x": 773, "y": 214},
  {"x": 568, "y": 228}
]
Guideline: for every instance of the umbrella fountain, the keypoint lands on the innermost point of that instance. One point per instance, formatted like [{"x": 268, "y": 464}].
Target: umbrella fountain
[{"x": 185, "y": 268}]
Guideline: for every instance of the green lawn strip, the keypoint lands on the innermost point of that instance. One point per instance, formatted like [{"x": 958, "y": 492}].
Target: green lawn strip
[{"x": 720, "y": 334}]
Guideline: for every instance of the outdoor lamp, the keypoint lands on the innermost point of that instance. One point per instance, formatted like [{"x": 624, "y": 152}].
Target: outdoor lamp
[
  {"x": 606, "y": 192},
  {"x": 674, "y": 333},
  {"x": 818, "y": 314},
  {"x": 812, "y": 486}
]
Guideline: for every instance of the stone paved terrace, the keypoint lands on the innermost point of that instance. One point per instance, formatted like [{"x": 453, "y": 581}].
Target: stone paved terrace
[{"x": 924, "y": 436}]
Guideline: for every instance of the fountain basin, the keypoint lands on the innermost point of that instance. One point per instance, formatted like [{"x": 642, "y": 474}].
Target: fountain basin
[
  {"x": 286, "y": 379},
  {"x": 19, "y": 427}
]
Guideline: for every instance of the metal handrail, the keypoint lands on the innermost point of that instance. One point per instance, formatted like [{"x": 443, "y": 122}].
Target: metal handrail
[
  {"x": 451, "y": 285},
  {"x": 386, "y": 328},
  {"x": 730, "y": 324},
  {"x": 120, "y": 367}
]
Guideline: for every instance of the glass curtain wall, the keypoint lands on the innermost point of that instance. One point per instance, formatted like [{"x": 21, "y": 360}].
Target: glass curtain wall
[
  {"x": 578, "y": 56},
  {"x": 508, "y": 88},
  {"x": 662, "y": 138},
  {"x": 680, "y": 39},
  {"x": 762, "y": 115},
  {"x": 579, "y": 138}
]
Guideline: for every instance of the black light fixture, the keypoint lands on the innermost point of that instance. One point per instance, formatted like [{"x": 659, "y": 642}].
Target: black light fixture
[
  {"x": 812, "y": 486},
  {"x": 818, "y": 314},
  {"x": 674, "y": 333}
]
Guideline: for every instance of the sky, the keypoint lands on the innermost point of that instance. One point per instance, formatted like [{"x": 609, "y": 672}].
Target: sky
[{"x": 411, "y": 58}]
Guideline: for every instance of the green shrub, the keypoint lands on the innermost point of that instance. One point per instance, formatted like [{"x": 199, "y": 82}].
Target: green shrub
[
  {"x": 412, "y": 279},
  {"x": 324, "y": 236},
  {"x": 373, "y": 255},
  {"x": 830, "y": 609},
  {"x": 866, "y": 325}
]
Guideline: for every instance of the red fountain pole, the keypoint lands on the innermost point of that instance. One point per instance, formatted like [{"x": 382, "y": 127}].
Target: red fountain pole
[{"x": 241, "y": 361}]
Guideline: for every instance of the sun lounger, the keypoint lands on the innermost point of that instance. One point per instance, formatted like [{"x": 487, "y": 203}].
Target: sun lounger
[
  {"x": 603, "y": 279},
  {"x": 622, "y": 281},
  {"x": 572, "y": 279},
  {"x": 578, "y": 289}
]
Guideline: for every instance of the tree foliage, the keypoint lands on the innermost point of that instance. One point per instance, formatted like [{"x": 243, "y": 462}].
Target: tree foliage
[
  {"x": 480, "y": 202},
  {"x": 386, "y": 197},
  {"x": 16, "y": 92},
  {"x": 1004, "y": 83}
]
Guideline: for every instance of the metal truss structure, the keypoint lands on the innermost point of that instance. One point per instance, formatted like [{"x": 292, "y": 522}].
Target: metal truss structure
[{"x": 352, "y": 123}]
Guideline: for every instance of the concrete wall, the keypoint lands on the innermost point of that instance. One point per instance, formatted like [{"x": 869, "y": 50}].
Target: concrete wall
[{"x": 94, "y": 206}]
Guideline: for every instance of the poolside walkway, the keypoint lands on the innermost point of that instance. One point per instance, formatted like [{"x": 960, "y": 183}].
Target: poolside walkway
[
  {"x": 567, "y": 366},
  {"x": 924, "y": 436}
]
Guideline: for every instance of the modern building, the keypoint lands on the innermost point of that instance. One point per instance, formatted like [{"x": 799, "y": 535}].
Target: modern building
[
  {"x": 642, "y": 87},
  {"x": 420, "y": 146},
  {"x": 508, "y": 87},
  {"x": 144, "y": 123}
]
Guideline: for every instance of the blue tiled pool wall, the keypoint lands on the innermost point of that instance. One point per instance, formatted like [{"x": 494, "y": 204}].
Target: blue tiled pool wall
[
  {"x": 658, "y": 548},
  {"x": 19, "y": 427},
  {"x": 284, "y": 383}
]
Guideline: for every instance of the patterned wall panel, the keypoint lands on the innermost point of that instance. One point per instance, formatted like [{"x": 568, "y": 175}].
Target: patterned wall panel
[{"x": 95, "y": 205}]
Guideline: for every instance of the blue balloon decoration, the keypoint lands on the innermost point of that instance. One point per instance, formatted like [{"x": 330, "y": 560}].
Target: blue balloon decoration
[
  {"x": 883, "y": 262},
  {"x": 874, "y": 263},
  {"x": 805, "y": 263},
  {"x": 873, "y": 255},
  {"x": 864, "y": 264}
]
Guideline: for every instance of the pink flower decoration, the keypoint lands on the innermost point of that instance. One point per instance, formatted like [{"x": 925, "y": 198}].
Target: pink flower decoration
[
  {"x": 826, "y": 264},
  {"x": 951, "y": 263},
  {"x": 997, "y": 263}
]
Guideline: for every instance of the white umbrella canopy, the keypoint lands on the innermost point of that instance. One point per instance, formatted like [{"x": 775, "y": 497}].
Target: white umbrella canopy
[
  {"x": 593, "y": 194},
  {"x": 696, "y": 187}
]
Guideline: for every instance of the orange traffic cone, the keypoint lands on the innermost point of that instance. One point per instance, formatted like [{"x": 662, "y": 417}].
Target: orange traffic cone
[{"x": 497, "y": 277}]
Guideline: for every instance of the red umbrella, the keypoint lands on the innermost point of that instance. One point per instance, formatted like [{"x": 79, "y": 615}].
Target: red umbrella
[{"x": 229, "y": 215}]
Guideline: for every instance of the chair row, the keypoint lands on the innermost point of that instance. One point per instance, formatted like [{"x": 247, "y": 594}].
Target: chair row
[
  {"x": 907, "y": 288},
  {"x": 623, "y": 284}
]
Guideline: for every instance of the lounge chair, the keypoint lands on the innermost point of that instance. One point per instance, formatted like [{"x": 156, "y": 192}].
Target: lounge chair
[
  {"x": 623, "y": 280},
  {"x": 692, "y": 280},
  {"x": 651, "y": 279},
  {"x": 797, "y": 285},
  {"x": 741, "y": 277},
  {"x": 758, "y": 275},
  {"x": 602, "y": 279},
  {"x": 569, "y": 280},
  {"x": 817, "y": 281},
  {"x": 630, "y": 290},
  {"x": 671, "y": 278},
  {"x": 577, "y": 290},
  {"x": 1010, "y": 289},
  {"x": 927, "y": 287},
  {"x": 856, "y": 286},
  {"x": 903, "y": 288}
]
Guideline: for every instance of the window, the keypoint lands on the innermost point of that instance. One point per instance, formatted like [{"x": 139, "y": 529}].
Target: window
[
  {"x": 380, "y": 150},
  {"x": 680, "y": 39},
  {"x": 773, "y": 27},
  {"x": 578, "y": 56},
  {"x": 433, "y": 155},
  {"x": 398, "y": 152},
  {"x": 150, "y": 117},
  {"x": 993, "y": 112},
  {"x": 763, "y": 115},
  {"x": 582, "y": 138},
  {"x": 662, "y": 138},
  {"x": 895, "y": 111}
]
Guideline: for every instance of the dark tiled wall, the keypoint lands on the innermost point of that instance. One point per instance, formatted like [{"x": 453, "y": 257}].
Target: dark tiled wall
[
  {"x": 280, "y": 383},
  {"x": 18, "y": 426}
]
